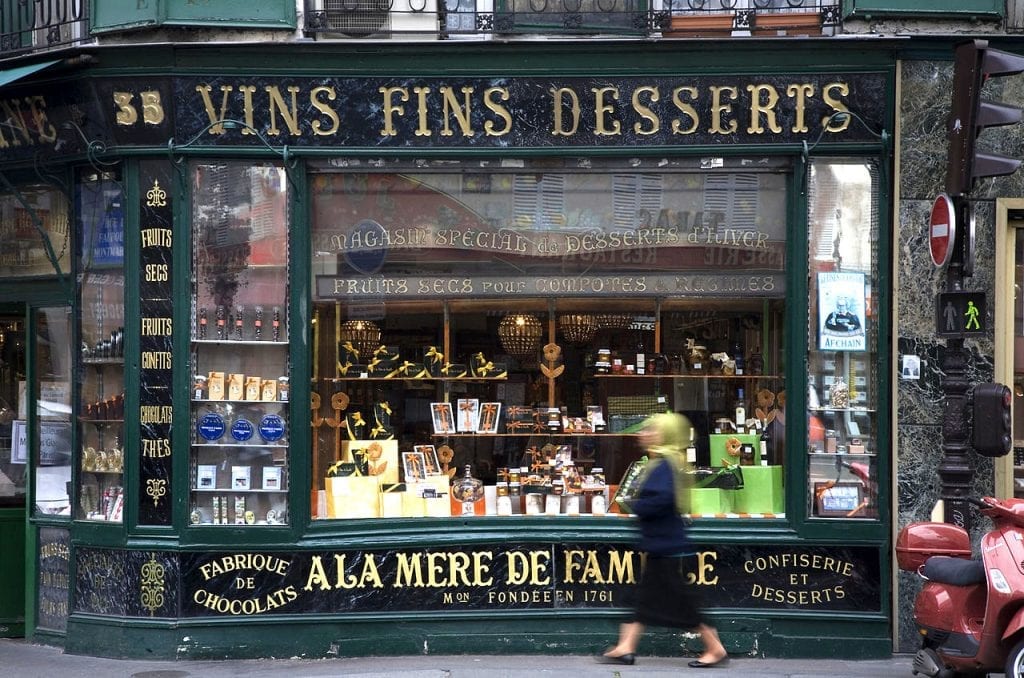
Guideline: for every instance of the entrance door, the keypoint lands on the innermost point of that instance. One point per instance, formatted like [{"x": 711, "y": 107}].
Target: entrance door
[{"x": 13, "y": 475}]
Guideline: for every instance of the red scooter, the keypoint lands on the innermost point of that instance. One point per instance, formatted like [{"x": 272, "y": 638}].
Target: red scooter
[{"x": 970, "y": 612}]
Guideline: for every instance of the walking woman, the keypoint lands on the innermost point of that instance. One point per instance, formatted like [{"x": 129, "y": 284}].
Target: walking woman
[{"x": 663, "y": 598}]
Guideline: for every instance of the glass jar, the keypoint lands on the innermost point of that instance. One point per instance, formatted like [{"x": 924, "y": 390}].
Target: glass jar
[
  {"x": 503, "y": 502},
  {"x": 468, "y": 495}
]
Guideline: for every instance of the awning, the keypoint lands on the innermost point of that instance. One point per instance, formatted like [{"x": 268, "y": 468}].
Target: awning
[{"x": 12, "y": 74}]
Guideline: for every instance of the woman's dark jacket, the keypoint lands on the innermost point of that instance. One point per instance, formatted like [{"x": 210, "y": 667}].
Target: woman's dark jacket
[{"x": 662, "y": 529}]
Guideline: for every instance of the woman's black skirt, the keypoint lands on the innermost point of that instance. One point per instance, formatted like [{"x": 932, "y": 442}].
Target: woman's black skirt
[{"x": 664, "y": 598}]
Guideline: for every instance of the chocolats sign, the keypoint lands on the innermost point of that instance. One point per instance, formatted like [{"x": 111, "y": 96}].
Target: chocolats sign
[{"x": 527, "y": 577}]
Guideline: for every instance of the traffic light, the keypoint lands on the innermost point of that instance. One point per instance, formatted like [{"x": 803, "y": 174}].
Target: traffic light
[
  {"x": 992, "y": 426},
  {"x": 974, "y": 64}
]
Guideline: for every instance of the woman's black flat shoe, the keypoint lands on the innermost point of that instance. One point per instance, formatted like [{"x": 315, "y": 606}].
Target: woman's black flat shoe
[
  {"x": 627, "y": 659},
  {"x": 698, "y": 664}
]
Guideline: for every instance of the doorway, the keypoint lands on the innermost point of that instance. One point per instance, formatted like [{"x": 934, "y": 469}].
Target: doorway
[{"x": 14, "y": 474}]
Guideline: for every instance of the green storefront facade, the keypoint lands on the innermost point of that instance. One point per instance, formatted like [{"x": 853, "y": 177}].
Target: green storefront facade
[{"x": 214, "y": 468}]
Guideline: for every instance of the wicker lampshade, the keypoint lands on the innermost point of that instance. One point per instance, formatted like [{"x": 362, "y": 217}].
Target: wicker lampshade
[
  {"x": 613, "y": 321},
  {"x": 520, "y": 334},
  {"x": 577, "y": 329},
  {"x": 364, "y": 335}
]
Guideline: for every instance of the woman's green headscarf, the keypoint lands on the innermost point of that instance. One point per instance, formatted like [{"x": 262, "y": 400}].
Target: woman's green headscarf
[{"x": 674, "y": 433}]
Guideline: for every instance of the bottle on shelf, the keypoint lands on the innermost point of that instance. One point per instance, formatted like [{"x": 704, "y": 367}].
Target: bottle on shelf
[
  {"x": 741, "y": 411},
  {"x": 737, "y": 356},
  {"x": 755, "y": 362},
  {"x": 691, "y": 448}
]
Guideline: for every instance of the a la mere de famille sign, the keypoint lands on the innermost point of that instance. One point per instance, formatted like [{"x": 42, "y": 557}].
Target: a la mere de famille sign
[
  {"x": 481, "y": 577},
  {"x": 500, "y": 113}
]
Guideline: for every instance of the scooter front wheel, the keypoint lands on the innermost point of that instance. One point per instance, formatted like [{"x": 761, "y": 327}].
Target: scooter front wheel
[{"x": 1015, "y": 661}]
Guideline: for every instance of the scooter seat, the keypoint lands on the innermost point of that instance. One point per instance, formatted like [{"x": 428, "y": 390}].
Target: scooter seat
[{"x": 953, "y": 571}]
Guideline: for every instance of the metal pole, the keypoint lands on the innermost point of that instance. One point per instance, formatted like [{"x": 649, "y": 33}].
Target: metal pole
[{"x": 956, "y": 470}]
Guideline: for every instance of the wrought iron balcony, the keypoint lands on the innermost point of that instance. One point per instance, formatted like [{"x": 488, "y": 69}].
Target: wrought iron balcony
[
  {"x": 39, "y": 25},
  {"x": 482, "y": 19}
]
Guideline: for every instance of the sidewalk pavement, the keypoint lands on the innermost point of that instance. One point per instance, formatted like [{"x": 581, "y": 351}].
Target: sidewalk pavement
[{"x": 21, "y": 659}]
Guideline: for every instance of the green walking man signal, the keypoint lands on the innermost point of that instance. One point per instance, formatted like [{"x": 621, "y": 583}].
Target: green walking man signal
[{"x": 960, "y": 314}]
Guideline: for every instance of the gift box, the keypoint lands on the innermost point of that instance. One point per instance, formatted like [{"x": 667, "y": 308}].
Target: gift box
[
  {"x": 708, "y": 500},
  {"x": 428, "y": 497},
  {"x": 725, "y": 447},
  {"x": 382, "y": 428},
  {"x": 433, "y": 361},
  {"x": 455, "y": 370},
  {"x": 356, "y": 426},
  {"x": 761, "y": 492},
  {"x": 379, "y": 368},
  {"x": 391, "y": 496},
  {"x": 519, "y": 419},
  {"x": 347, "y": 353},
  {"x": 373, "y": 458},
  {"x": 480, "y": 366},
  {"x": 354, "y": 370},
  {"x": 408, "y": 370},
  {"x": 387, "y": 354},
  {"x": 493, "y": 371},
  {"x": 353, "y": 496}
]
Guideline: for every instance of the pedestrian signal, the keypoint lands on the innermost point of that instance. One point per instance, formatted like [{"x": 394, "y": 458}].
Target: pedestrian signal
[{"x": 960, "y": 314}]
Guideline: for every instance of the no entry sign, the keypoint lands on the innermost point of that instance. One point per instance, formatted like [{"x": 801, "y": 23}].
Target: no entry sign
[{"x": 942, "y": 230}]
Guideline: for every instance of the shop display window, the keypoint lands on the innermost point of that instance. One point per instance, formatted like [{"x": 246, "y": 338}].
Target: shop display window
[
  {"x": 100, "y": 211},
  {"x": 842, "y": 389},
  {"x": 34, "y": 232},
  {"x": 52, "y": 386},
  {"x": 507, "y": 327},
  {"x": 240, "y": 381}
]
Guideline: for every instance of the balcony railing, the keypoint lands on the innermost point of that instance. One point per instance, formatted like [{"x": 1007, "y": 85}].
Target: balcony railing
[
  {"x": 28, "y": 26},
  {"x": 39, "y": 25},
  {"x": 454, "y": 19}
]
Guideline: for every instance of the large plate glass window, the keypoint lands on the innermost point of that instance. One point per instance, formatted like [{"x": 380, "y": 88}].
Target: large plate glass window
[
  {"x": 52, "y": 386},
  {"x": 487, "y": 341},
  {"x": 843, "y": 390},
  {"x": 34, "y": 232},
  {"x": 100, "y": 213},
  {"x": 240, "y": 385}
]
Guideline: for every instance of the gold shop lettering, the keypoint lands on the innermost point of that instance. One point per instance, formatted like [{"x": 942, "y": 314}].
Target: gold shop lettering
[
  {"x": 155, "y": 414},
  {"x": 156, "y": 449},
  {"x": 801, "y": 571},
  {"x": 156, "y": 360},
  {"x": 449, "y": 110},
  {"x": 156, "y": 327},
  {"x": 585, "y": 567},
  {"x": 243, "y": 567},
  {"x": 156, "y": 237}
]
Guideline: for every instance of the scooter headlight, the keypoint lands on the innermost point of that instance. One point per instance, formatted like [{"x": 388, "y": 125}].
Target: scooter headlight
[{"x": 998, "y": 580}]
